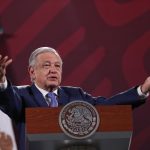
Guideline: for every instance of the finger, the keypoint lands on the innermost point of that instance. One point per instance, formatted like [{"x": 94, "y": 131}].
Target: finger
[
  {"x": 4, "y": 61},
  {"x": 8, "y": 62},
  {"x": 0, "y": 57},
  {"x": 3, "y": 58}
]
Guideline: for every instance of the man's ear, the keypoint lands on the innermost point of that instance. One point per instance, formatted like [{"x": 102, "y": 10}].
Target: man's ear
[{"x": 31, "y": 72}]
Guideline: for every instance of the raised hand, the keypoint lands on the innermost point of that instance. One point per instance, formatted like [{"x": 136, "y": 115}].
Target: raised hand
[{"x": 4, "y": 62}]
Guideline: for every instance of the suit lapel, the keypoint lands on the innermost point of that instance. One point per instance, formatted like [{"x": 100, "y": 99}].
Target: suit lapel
[
  {"x": 38, "y": 97},
  {"x": 63, "y": 98}
]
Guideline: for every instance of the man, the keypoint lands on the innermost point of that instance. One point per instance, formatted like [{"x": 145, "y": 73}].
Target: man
[{"x": 45, "y": 69}]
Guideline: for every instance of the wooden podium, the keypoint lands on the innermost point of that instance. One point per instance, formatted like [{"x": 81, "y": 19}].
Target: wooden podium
[{"x": 114, "y": 132}]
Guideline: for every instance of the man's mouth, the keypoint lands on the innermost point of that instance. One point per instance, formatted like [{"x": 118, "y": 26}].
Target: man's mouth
[{"x": 52, "y": 78}]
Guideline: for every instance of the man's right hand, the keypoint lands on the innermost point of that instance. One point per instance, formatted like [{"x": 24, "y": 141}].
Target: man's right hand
[{"x": 4, "y": 62}]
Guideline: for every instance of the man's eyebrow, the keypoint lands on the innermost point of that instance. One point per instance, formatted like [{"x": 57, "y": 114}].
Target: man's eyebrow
[{"x": 58, "y": 62}]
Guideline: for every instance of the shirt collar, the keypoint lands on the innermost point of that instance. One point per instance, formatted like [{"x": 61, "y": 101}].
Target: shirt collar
[{"x": 44, "y": 92}]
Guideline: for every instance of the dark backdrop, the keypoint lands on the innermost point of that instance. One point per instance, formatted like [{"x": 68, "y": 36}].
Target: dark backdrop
[{"x": 105, "y": 45}]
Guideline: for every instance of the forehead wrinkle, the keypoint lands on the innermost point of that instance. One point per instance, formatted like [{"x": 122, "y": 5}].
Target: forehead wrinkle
[{"x": 58, "y": 60}]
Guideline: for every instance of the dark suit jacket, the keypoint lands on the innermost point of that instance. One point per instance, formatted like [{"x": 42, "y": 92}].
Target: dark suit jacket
[{"x": 14, "y": 100}]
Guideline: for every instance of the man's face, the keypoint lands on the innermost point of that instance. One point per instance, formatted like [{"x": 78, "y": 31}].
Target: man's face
[{"x": 47, "y": 71}]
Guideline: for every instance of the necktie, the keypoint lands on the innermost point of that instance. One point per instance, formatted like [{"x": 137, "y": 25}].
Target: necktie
[{"x": 54, "y": 102}]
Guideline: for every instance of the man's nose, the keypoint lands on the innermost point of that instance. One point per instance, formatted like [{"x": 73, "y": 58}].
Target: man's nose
[{"x": 52, "y": 69}]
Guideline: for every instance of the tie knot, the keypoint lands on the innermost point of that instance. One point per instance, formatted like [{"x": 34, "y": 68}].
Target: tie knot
[
  {"x": 53, "y": 100},
  {"x": 51, "y": 95}
]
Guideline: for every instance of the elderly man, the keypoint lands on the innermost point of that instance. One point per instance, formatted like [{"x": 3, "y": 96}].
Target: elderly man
[{"x": 45, "y": 69}]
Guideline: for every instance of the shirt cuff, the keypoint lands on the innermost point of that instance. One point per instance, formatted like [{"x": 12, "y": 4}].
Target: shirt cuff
[
  {"x": 141, "y": 94},
  {"x": 3, "y": 86}
]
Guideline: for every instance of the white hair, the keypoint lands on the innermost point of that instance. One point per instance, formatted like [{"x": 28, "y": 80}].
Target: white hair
[{"x": 35, "y": 53}]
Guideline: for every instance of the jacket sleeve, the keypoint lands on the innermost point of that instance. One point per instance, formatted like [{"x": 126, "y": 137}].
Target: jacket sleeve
[
  {"x": 10, "y": 101},
  {"x": 129, "y": 97}
]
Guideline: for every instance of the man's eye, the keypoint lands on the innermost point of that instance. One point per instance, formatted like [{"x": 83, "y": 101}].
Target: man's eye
[
  {"x": 46, "y": 65},
  {"x": 57, "y": 65}
]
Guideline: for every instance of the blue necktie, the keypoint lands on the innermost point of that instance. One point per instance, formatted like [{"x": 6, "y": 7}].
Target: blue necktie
[{"x": 54, "y": 102}]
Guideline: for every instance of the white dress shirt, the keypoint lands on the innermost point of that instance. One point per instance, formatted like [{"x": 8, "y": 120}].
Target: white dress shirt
[{"x": 44, "y": 93}]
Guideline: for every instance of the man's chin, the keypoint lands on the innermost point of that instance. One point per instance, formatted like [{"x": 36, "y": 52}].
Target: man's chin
[{"x": 52, "y": 87}]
